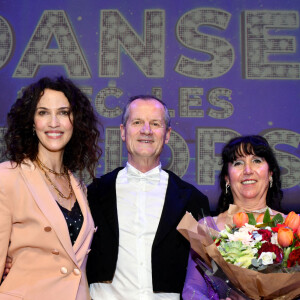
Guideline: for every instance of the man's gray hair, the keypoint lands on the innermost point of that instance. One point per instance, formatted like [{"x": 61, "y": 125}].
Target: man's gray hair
[{"x": 125, "y": 114}]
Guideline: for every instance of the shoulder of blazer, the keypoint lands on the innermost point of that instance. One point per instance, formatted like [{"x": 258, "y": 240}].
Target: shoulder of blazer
[
  {"x": 9, "y": 171},
  {"x": 184, "y": 188},
  {"x": 8, "y": 165},
  {"x": 106, "y": 179},
  {"x": 174, "y": 179},
  {"x": 103, "y": 185}
]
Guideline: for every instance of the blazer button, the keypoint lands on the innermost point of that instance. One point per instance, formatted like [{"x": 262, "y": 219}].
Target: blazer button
[
  {"x": 76, "y": 271},
  {"x": 55, "y": 252},
  {"x": 47, "y": 228},
  {"x": 63, "y": 270}
]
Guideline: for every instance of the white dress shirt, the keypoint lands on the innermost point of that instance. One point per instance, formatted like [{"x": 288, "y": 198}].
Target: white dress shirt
[{"x": 140, "y": 200}]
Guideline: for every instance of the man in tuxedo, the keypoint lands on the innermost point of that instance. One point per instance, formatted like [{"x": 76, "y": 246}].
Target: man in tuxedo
[{"x": 137, "y": 253}]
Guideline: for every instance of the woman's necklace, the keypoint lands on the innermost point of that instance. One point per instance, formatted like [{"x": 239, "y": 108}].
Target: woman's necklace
[
  {"x": 45, "y": 169},
  {"x": 259, "y": 211}
]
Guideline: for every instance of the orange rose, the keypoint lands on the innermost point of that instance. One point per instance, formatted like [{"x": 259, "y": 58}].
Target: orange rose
[
  {"x": 298, "y": 232},
  {"x": 260, "y": 218},
  {"x": 292, "y": 220},
  {"x": 285, "y": 237},
  {"x": 240, "y": 219}
]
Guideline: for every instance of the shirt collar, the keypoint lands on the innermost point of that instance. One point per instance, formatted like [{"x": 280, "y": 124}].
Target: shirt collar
[{"x": 153, "y": 174}]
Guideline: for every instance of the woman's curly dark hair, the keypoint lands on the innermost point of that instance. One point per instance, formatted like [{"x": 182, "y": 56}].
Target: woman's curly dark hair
[
  {"x": 81, "y": 152},
  {"x": 250, "y": 145}
]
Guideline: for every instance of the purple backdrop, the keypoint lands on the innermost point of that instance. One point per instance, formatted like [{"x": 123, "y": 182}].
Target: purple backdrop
[{"x": 224, "y": 68}]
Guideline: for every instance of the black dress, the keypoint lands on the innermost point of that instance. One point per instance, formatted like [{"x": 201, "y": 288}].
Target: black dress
[{"x": 74, "y": 220}]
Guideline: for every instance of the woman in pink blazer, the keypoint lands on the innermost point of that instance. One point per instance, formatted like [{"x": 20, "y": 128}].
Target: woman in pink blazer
[{"x": 45, "y": 223}]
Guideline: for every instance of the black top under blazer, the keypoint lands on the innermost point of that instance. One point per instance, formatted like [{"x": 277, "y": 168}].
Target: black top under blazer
[{"x": 170, "y": 249}]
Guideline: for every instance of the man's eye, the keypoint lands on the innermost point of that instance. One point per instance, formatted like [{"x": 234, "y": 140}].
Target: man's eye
[{"x": 136, "y": 122}]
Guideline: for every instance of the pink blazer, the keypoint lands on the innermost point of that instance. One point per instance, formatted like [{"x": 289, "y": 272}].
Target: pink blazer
[{"x": 33, "y": 231}]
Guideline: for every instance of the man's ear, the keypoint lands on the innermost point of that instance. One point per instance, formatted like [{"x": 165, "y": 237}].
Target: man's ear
[
  {"x": 168, "y": 134},
  {"x": 122, "y": 129}
]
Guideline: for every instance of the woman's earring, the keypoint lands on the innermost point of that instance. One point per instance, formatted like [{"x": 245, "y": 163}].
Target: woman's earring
[
  {"x": 271, "y": 181},
  {"x": 227, "y": 185},
  {"x": 33, "y": 130}
]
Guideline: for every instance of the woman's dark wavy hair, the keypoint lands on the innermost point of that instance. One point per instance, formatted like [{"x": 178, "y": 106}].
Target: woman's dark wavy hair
[
  {"x": 81, "y": 152},
  {"x": 250, "y": 145}
]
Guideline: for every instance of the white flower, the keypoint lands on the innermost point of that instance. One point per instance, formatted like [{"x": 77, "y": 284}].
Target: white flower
[
  {"x": 242, "y": 236},
  {"x": 257, "y": 237},
  {"x": 248, "y": 228},
  {"x": 224, "y": 233},
  {"x": 267, "y": 258},
  {"x": 274, "y": 238}
]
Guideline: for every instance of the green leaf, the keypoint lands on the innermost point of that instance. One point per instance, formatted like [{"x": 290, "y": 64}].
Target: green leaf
[
  {"x": 252, "y": 220},
  {"x": 267, "y": 217},
  {"x": 286, "y": 253},
  {"x": 262, "y": 225},
  {"x": 278, "y": 219},
  {"x": 255, "y": 262},
  {"x": 262, "y": 267}
]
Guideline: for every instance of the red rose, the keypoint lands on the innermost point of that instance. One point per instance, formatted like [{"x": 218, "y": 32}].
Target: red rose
[
  {"x": 294, "y": 258},
  {"x": 266, "y": 234},
  {"x": 297, "y": 244},
  {"x": 275, "y": 229},
  {"x": 218, "y": 242},
  {"x": 269, "y": 247}
]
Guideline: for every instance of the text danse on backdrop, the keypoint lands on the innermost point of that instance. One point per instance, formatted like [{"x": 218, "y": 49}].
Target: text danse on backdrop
[{"x": 223, "y": 70}]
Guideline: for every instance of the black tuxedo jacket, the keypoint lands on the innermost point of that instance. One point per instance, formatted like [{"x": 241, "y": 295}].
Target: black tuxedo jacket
[{"x": 170, "y": 249}]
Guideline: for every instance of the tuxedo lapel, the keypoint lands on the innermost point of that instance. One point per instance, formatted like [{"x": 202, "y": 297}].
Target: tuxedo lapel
[
  {"x": 175, "y": 201},
  {"x": 108, "y": 200},
  {"x": 109, "y": 206},
  {"x": 44, "y": 199}
]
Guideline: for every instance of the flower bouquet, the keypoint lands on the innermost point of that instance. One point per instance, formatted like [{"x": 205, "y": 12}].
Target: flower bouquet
[{"x": 260, "y": 256}]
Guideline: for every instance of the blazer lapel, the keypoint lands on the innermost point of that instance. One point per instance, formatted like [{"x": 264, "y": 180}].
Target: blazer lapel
[
  {"x": 44, "y": 199},
  {"x": 88, "y": 223},
  {"x": 175, "y": 202}
]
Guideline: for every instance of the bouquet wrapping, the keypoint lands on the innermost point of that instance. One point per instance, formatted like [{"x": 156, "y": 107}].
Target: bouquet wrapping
[{"x": 254, "y": 284}]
